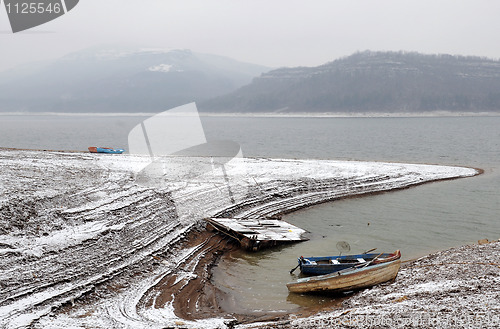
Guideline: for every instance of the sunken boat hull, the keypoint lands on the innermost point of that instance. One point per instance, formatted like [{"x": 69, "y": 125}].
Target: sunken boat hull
[{"x": 256, "y": 234}]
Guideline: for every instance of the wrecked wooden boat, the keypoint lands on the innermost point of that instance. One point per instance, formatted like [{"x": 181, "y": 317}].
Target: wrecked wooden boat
[
  {"x": 330, "y": 264},
  {"x": 110, "y": 150},
  {"x": 257, "y": 233},
  {"x": 353, "y": 278}
]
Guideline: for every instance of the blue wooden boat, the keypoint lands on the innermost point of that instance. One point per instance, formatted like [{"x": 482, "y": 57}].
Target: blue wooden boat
[
  {"x": 330, "y": 264},
  {"x": 110, "y": 150},
  {"x": 350, "y": 279}
]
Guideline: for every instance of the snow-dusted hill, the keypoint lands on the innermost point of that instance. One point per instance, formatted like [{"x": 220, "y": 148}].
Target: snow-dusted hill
[{"x": 108, "y": 79}]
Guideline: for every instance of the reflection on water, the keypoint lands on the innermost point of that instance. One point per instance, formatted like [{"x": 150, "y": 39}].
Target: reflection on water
[{"x": 256, "y": 282}]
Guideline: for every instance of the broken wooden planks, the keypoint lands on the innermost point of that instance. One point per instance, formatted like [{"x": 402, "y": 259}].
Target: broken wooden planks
[{"x": 254, "y": 234}]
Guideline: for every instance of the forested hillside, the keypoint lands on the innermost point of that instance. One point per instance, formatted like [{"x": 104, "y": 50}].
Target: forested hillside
[{"x": 372, "y": 82}]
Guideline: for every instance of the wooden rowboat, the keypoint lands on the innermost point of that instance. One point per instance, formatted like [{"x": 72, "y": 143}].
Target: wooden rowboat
[
  {"x": 353, "y": 278},
  {"x": 330, "y": 264},
  {"x": 94, "y": 149}
]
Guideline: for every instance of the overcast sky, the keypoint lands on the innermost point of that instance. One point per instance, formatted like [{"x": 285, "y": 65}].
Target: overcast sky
[{"x": 269, "y": 32}]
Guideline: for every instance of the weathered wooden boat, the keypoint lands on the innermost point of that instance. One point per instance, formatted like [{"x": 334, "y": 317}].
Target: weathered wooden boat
[
  {"x": 353, "y": 278},
  {"x": 256, "y": 234},
  {"x": 330, "y": 264},
  {"x": 110, "y": 150}
]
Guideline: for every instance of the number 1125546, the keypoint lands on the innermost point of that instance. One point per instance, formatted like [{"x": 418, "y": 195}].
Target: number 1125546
[{"x": 33, "y": 8}]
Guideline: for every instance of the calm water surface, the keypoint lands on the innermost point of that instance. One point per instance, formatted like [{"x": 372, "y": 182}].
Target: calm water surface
[{"x": 418, "y": 220}]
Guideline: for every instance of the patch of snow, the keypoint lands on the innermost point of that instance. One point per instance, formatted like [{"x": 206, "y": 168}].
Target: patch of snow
[
  {"x": 427, "y": 287},
  {"x": 64, "y": 238},
  {"x": 434, "y": 286},
  {"x": 165, "y": 68}
]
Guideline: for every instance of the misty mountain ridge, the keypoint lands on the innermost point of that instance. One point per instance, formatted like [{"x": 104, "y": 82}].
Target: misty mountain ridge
[
  {"x": 154, "y": 80},
  {"x": 388, "y": 82},
  {"x": 121, "y": 80}
]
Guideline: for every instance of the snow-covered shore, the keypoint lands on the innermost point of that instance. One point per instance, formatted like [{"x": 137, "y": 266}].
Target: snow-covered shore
[{"x": 72, "y": 222}]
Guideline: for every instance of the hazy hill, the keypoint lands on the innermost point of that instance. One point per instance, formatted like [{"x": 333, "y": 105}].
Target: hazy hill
[
  {"x": 372, "y": 82},
  {"x": 111, "y": 80}
]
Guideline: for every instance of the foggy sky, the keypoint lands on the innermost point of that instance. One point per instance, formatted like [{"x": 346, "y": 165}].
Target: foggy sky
[{"x": 275, "y": 33}]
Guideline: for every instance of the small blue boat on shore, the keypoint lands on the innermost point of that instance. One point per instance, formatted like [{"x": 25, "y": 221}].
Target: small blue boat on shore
[
  {"x": 330, "y": 264},
  {"x": 109, "y": 150}
]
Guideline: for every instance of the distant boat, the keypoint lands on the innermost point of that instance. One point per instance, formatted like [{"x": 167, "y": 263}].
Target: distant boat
[
  {"x": 330, "y": 264},
  {"x": 94, "y": 149},
  {"x": 354, "y": 278}
]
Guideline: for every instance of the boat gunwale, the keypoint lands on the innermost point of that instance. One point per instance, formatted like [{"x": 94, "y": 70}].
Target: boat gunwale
[{"x": 317, "y": 269}]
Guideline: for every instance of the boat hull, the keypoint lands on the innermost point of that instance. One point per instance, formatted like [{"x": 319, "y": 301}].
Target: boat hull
[
  {"x": 94, "y": 149},
  {"x": 347, "y": 280},
  {"x": 325, "y": 265}
]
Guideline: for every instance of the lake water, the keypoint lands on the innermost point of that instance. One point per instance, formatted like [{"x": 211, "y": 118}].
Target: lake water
[{"x": 419, "y": 220}]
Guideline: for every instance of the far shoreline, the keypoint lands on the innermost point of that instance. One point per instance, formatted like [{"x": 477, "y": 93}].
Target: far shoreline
[{"x": 270, "y": 114}]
